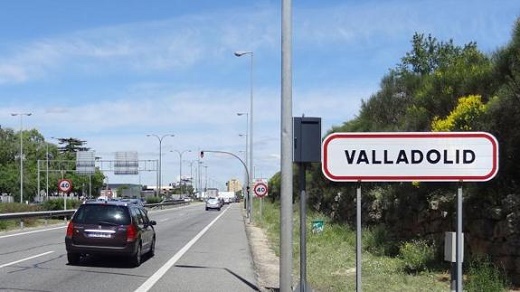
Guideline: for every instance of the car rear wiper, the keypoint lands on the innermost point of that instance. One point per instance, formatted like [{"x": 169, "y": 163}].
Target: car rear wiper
[{"x": 107, "y": 223}]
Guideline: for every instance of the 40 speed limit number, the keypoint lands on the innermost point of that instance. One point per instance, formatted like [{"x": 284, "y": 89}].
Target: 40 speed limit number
[
  {"x": 260, "y": 189},
  {"x": 64, "y": 185}
]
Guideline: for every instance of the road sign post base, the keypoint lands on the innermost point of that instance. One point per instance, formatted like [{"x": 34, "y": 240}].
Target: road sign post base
[{"x": 305, "y": 288}]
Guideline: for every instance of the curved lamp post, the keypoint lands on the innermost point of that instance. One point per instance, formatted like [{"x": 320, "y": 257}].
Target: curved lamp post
[
  {"x": 180, "y": 166},
  {"x": 160, "y": 159}
]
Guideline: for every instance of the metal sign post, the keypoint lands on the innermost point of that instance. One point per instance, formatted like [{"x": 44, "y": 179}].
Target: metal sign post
[
  {"x": 459, "y": 239},
  {"x": 358, "y": 238},
  {"x": 303, "y": 286},
  {"x": 307, "y": 149},
  {"x": 261, "y": 190}
]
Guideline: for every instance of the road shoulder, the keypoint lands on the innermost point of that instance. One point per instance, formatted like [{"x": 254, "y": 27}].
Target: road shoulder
[{"x": 266, "y": 263}]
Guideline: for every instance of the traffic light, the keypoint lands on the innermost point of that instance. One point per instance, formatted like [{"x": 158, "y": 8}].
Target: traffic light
[{"x": 201, "y": 154}]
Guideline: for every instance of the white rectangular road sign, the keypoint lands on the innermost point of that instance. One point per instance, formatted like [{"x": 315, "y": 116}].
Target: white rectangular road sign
[{"x": 410, "y": 156}]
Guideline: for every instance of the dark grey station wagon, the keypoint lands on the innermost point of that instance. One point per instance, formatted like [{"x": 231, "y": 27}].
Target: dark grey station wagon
[{"x": 110, "y": 228}]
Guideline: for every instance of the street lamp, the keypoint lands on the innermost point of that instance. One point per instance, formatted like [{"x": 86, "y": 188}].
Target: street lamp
[
  {"x": 21, "y": 150},
  {"x": 247, "y": 143},
  {"x": 159, "y": 178},
  {"x": 247, "y": 132},
  {"x": 191, "y": 175},
  {"x": 180, "y": 167},
  {"x": 47, "y": 167},
  {"x": 206, "y": 178},
  {"x": 240, "y": 54}
]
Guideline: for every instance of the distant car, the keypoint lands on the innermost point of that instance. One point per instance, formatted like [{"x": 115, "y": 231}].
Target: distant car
[
  {"x": 213, "y": 203},
  {"x": 227, "y": 200},
  {"x": 110, "y": 228},
  {"x": 138, "y": 202}
]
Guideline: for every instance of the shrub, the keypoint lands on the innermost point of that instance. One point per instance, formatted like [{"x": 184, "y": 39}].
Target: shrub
[
  {"x": 153, "y": 200},
  {"x": 378, "y": 241},
  {"x": 484, "y": 276},
  {"x": 57, "y": 204},
  {"x": 417, "y": 255},
  {"x": 4, "y": 224}
]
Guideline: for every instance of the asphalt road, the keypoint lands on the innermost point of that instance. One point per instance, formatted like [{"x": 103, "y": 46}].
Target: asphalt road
[{"x": 196, "y": 250}]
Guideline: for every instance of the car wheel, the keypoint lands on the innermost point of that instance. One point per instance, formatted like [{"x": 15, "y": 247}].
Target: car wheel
[
  {"x": 218, "y": 209},
  {"x": 207, "y": 208},
  {"x": 73, "y": 258},
  {"x": 151, "y": 253},
  {"x": 136, "y": 258}
]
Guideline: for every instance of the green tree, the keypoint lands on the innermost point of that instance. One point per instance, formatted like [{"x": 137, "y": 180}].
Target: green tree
[
  {"x": 465, "y": 116},
  {"x": 36, "y": 153},
  {"x": 439, "y": 73},
  {"x": 69, "y": 146}
]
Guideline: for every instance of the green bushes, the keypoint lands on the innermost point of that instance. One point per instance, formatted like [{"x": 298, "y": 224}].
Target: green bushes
[
  {"x": 484, "y": 276},
  {"x": 417, "y": 255},
  {"x": 17, "y": 207},
  {"x": 57, "y": 204},
  {"x": 378, "y": 241},
  {"x": 153, "y": 200}
]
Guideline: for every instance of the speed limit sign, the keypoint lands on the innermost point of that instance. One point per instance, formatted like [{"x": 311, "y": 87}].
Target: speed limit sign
[
  {"x": 64, "y": 185},
  {"x": 260, "y": 190}
]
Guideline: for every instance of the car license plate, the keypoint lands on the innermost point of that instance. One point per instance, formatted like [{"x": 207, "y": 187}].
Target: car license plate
[{"x": 99, "y": 235}]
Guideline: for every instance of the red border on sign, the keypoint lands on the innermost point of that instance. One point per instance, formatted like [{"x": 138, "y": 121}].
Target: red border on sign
[
  {"x": 412, "y": 135},
  {"x": 67, "y": 190},
  {"x": 266, "y": 190}
]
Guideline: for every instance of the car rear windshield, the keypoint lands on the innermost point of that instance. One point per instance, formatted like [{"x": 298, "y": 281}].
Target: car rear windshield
[{"x": 102, "y": 214}]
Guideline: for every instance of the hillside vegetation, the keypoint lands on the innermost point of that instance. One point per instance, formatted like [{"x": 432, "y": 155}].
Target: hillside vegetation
[{"x": 439, "y": 86}]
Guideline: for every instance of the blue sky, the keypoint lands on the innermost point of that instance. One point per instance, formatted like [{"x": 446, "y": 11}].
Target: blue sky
[{"x": 111, "y": 72}]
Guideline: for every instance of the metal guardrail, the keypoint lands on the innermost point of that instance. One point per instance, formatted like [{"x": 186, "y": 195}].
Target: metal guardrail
[
  {"x": 44, "y": 214},
  {"x": 69, "y": 213}
]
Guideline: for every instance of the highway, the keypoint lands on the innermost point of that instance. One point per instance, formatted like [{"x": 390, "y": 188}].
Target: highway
[{"x": 196, "y": 250}]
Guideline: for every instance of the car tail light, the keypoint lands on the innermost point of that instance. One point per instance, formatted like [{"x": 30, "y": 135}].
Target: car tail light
[
  {"x": 70, "y": 229},
  {"x": 131, "y": 233}
]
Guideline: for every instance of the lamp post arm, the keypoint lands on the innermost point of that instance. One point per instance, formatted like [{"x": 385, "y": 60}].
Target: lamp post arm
[{"x": 232, "y": 154}]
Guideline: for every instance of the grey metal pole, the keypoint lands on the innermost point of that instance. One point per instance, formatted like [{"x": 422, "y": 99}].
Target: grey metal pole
[
  {"x": 459, "y": 239},
  {"x": 180, "y": 175},
  {"x": 21, "y": 150},
  {"x": 180, "y": 167},
  {"x": 47, "y": 174},
  {"x": 251, "y": 137},
  {"x": 159, "y": 177},
  {"x": 159, "y": 183},
  {"x": 21, "y": 160},
  {"x": 358, "y": 238},
  {"x": 303, "y": 230},
  {"x": 38, "y": 187},
  {"x": 286, "y": 133},
  {"x": 251, "y": 54},
  {"x": 199, "y": 181},
  {"x": 247, "y": 178}
]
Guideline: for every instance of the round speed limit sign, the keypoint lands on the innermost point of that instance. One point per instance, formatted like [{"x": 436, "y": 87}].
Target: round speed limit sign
[
  {"x": 260, "y": 190},
  {"x": 65, "y": 185}
]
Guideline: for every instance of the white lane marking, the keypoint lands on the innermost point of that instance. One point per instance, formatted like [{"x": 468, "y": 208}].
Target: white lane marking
[
  {"x": 26, "y": 259},
  {"x": 158, "y": 275},
  {"x": 30, "y": 232}
]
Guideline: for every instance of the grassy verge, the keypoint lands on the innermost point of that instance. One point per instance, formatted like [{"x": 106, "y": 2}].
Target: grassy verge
[{"x": 331, "y": 258}]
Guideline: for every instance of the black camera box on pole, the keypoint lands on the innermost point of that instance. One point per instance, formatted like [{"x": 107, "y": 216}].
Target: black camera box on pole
[{"x": 307, "y": 139}]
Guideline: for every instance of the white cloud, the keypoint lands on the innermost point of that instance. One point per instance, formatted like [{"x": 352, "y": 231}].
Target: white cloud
[{"x": 113, "y": 85}]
